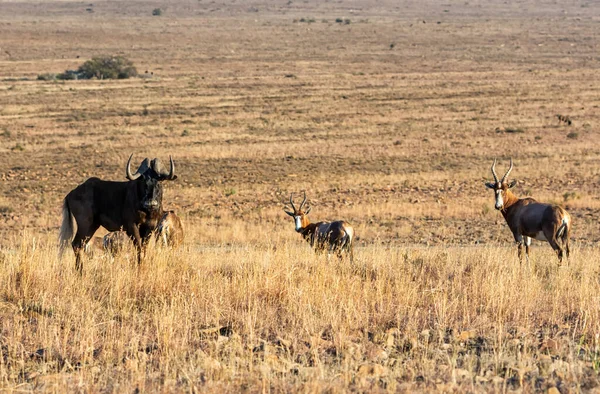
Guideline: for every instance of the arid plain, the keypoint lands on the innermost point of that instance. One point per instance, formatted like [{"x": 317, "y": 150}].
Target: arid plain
[{"x": 389, "y": 114}]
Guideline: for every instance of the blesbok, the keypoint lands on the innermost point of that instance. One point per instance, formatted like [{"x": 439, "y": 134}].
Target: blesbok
[
  {"x": 564, "y": 119},
  {"x": 529, "y": 219},
  {"x": 134, "y": 206},
  {"x": 113, "y": 243},
  {"x": 170, "y": 230},
  {"x": 333, "y": 237}
]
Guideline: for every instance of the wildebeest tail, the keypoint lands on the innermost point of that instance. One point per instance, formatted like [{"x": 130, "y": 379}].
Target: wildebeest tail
[{"x": 66, "y": 228}]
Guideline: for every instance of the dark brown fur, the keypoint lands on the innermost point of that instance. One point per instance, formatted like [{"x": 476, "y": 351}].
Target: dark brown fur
[{"x": 134, "y": 206}]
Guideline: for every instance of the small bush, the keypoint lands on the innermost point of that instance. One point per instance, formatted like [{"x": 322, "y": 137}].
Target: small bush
[
  {"x": 339, "y": 20},
  {"x": 573, "y": 135},
  {"x": 157, "y": 12},
  {"x": 46, "y": 77},
  {"x": 107, "y": 67}
]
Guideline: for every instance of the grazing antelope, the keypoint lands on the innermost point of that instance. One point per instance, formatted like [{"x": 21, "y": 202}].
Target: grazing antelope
[
  {"x": 564, "y": 119},
  {"x": 170, "y": 230},
  {"x": 529, "y": 219},
  {"x": 113, "y": 243},
  {"x": 323, "y": 236}
]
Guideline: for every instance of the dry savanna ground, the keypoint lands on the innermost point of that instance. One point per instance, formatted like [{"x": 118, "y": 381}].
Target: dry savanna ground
[{"x": 387, "y": 113}]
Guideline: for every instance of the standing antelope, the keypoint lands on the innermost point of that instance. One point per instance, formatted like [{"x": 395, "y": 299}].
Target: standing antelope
[
  {"x": 330, "y": 236},
  {"x": 528, "y": 218}
]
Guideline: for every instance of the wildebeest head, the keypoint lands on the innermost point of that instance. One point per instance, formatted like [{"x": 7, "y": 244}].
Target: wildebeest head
[{"x": 149, "y": 176}]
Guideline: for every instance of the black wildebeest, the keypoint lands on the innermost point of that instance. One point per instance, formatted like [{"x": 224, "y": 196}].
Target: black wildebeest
[
  {"x": 134, "y": 206},
  {"x": 333, "y": 237},
  {"x": 529, "y": 219}
]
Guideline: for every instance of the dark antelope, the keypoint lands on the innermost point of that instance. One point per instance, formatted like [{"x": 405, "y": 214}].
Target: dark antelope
[
  {"x": 564, "y": 119},
  {"x": 323, "y": 236},
  {"x": 134, "y": 206},
  {"x": 529, "y": 219},
  {"x": 170, "y": 230}
]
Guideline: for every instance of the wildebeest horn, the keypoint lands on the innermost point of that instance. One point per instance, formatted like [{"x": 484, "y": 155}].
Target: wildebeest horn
[
  {"x": 128, "y": 173},
  {"x": 494, "y": 172},
  {"x": 507, "y": 172},
  {"x": 303, "y": 201}
]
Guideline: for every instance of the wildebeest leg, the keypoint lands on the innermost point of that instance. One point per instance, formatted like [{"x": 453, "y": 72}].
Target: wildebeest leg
[
  {"x": 134, "y": 233},
  {"x": 79, "y": 241}
]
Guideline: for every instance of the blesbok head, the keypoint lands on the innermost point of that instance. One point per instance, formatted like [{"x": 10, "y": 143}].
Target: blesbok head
[
  {"x": 500, "y": 187},
  {"x": 149, "y": 187},
  {"x": 298, "y": 214}
]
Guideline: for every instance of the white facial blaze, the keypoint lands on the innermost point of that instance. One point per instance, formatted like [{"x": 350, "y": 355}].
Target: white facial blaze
[
  {"x": 499, "y": 200},
  {"x": 298, "y": 220}
]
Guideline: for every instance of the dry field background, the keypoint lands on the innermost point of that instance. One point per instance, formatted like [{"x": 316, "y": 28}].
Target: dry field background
[{"x": 390, "y": 121}]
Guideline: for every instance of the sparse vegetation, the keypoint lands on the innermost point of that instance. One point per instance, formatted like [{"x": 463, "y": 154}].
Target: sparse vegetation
[
  {"x": 157, "y": 12},
  {"x": 108, "y": 67},
  {"x": 573, "y": 135},
  {"x": 397, "y": 142}
]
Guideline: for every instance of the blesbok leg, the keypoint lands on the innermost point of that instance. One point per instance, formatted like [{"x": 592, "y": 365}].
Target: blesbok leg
[{"x": 527, "y": 241}]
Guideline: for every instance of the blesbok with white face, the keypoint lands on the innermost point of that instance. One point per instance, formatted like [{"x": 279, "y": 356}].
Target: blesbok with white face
[
  {"x": 333, "y": 237},
  {"x": 529, "y": 219}
]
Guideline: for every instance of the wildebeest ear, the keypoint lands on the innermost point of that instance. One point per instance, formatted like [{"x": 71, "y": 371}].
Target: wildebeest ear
[
  {"x": 490, "y": 185},
  {"x": 288, "y": 212},
  {"x": 512, "y": 184}
]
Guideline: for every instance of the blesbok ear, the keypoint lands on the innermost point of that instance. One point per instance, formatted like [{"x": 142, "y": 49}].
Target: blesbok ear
[
  {"x": 490, "y": 185},
  {"x": 307, "y": 210},
  {"x": 512, "y": 184},
  {"x": 288, "y": 212}
]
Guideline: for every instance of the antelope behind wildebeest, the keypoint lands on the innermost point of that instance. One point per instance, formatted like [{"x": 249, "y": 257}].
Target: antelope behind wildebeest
[
  {"x": 170, "y": 230},
  {"x": 564, "y": 119},
  {"x": 134, "y": 206},
  {"x": 113, "y": 243},
  {"x": 529, "y": 219},
  {"x": 333, "y": 237}
]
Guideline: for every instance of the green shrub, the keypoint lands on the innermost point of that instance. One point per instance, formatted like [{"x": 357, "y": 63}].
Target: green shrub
[
  {"x": 157, "y": 12},
  {"x": 107, "y": 67}
]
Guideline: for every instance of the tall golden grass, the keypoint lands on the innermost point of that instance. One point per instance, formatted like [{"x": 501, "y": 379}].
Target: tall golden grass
[{"x": 275, "y": 317}]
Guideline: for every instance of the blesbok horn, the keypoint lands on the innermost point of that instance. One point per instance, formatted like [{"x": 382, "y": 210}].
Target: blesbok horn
[
  {"x": 303, "y": 201},
  {"x": 507, "y": 172},
  {"x": 171, "y": 175},
  {"x": 494, "y": 171},
  {"x": 292, "y": 202}
]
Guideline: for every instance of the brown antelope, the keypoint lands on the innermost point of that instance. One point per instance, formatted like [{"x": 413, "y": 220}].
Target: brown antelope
[
  {"x": 334, "y": 237},
  {"x": 170, "y": 230},
  {"x": 113, "y": 243},
  {"x": 529, "y": 219},
  {"x": 564, "y": 119}
]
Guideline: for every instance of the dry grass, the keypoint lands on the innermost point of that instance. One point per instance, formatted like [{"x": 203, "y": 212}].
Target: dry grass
[
  {"x": 277, "y": 318},
  {"x": 390, "y": 121}
]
